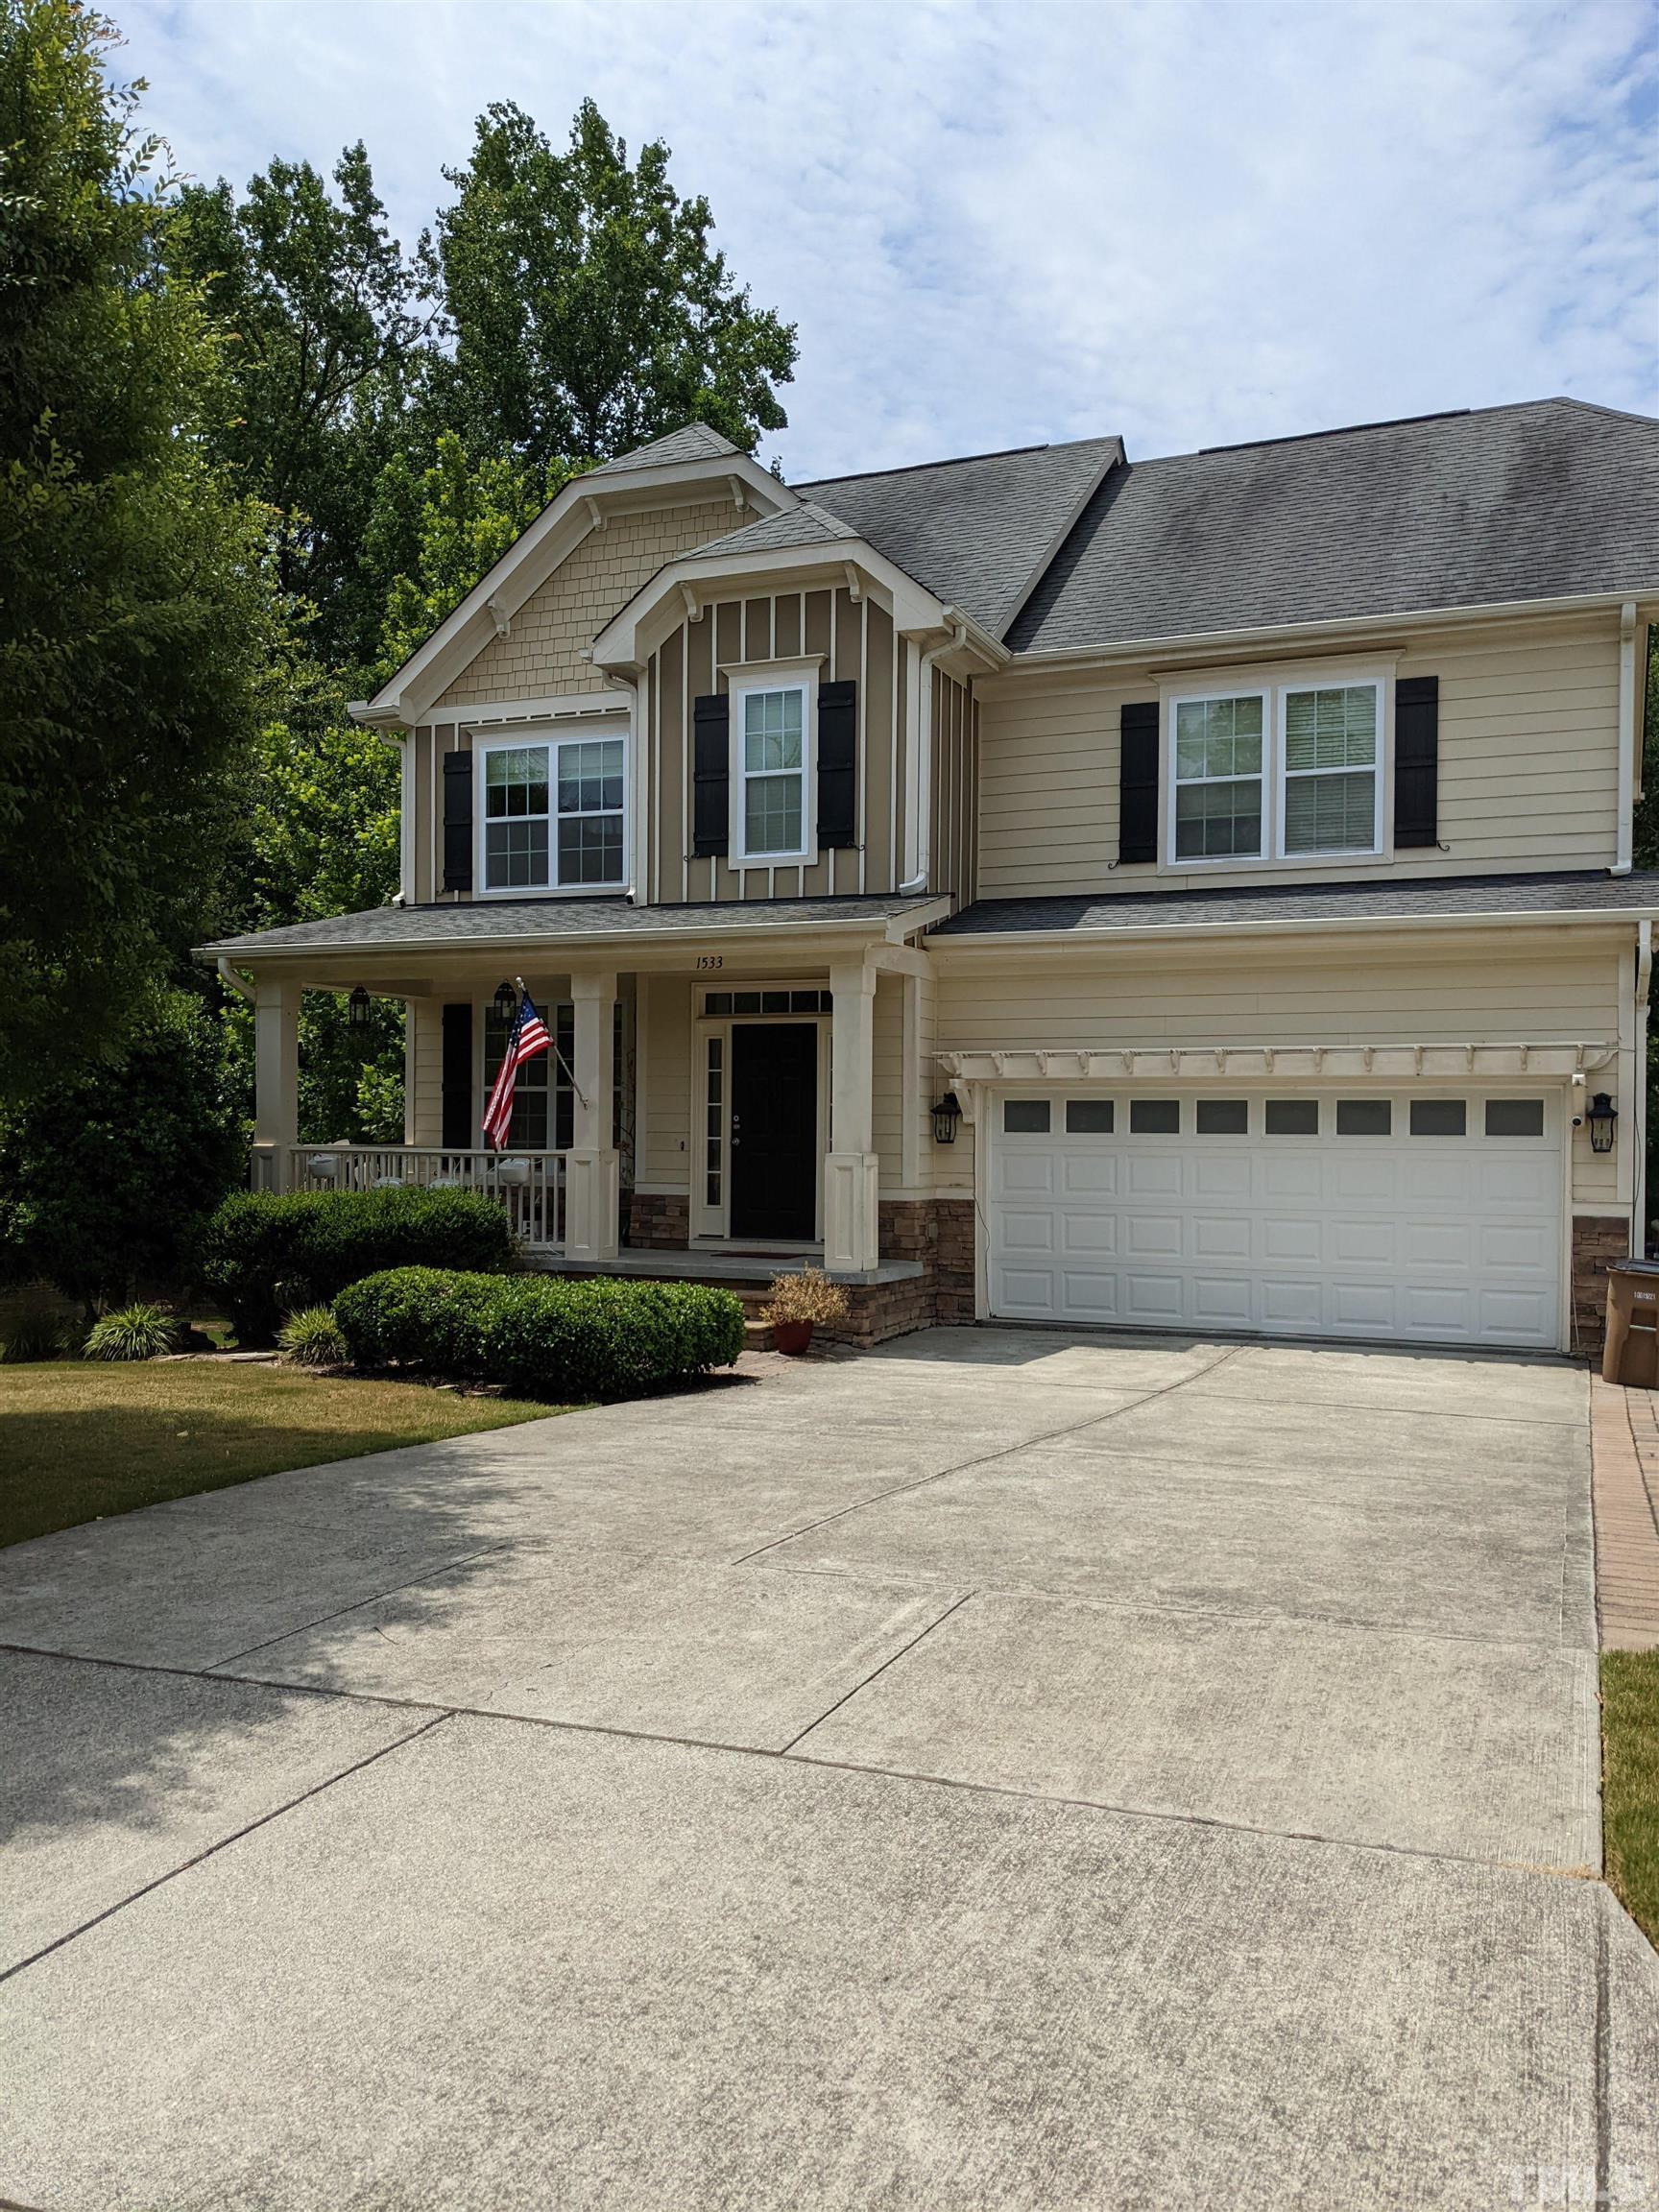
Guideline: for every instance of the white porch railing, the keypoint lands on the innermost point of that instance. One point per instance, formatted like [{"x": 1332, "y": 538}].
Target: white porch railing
[{"x": 530, "y": 1184}]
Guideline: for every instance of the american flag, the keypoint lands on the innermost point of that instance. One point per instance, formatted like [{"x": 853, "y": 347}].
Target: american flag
[{"x": 529, "y": 1038}]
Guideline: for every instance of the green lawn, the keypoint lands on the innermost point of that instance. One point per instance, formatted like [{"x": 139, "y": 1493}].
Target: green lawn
[
  {"x": 1630, "y": 1781},
  {"x": 80, "y": 1440}
]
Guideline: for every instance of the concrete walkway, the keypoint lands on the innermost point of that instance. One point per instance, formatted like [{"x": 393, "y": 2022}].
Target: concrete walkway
[{"x": 1008, "y": 1770}]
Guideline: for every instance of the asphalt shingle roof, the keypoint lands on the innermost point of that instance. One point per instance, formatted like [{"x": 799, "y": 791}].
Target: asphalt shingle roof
[
  {"x": 1423, "y": 897},
  {"x": 532, "y": 921},
  {"x": 695, "y": 442},
  {"x": 1546, "y": 500},
  {"x": 973, "y": 531},
  {"x": 807, "y": 524}
]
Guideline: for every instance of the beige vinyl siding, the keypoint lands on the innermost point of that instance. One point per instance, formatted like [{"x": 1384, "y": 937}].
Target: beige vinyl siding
[
  {"x": 1261, "y": 996},
  {"x": 424, "y": 1108},
  {"x": 541, "y": 656},
  {"x": 1528, "y": 763},
  {"x": 857, "y": 642},
  {"x": 664, "y": 1061}
]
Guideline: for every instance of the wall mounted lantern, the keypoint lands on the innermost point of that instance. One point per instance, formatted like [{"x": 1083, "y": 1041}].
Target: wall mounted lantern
[
  {"x": 506, "y": 1004},
  {"x": 359, "y": 1009},
  {"x": 1601, "y": 1116},
  {"x": 946, "y": 1113}
]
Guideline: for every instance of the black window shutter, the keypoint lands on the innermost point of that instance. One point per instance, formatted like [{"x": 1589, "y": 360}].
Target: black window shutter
[
  {"x": 710, "y": 774},
  {"x": 837, "y": 764},
  {"x": 460, "y": 1128},
  {"x": 1137, "y": 782},
  {"x": 457, "y": 821},
  {"x": 1417, "y": 761}
]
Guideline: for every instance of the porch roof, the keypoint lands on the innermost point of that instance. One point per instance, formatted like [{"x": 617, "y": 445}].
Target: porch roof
[{"x": 556, "y": 921}]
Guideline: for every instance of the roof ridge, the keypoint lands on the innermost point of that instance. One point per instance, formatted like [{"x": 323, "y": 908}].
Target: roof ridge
[{"x": 915, "y": 467}]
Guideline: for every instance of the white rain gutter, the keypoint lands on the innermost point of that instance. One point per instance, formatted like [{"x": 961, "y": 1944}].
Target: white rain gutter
[
  {"x": 920, "y": 780},
  {"x": 231, "y": 981},
  {"x": 1630, "y": 736}
]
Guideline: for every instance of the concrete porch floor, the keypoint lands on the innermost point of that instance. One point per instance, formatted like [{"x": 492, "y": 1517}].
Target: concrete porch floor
[{"x": 1006, "y": 1769}]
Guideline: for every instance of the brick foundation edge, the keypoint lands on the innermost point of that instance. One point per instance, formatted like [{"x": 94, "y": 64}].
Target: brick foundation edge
[{"x": 1598, "y": 1239}]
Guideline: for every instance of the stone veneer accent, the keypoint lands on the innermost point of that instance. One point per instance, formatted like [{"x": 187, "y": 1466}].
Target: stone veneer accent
[
  {"x": 1598, "y": 1241},
  {"x": 937, "y": 1232},
  {"x": 659, "y": 1221}
]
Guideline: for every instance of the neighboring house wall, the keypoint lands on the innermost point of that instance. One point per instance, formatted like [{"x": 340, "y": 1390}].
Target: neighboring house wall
[
  {"x": 1527, "y": 778},
  {"x": 541, "y": 656},
  {"x": 857, "y": 642},
  {"x": 1262, "y": 994}
]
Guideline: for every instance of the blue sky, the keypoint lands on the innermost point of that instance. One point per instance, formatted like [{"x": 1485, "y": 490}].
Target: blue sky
[{"x": 996, "y": 224}]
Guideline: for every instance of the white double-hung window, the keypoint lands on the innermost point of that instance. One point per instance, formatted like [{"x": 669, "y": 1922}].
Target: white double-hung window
[
  {"x": 1286, "y": 772},
  {"x": 555, "y": 815},
  {"x": 772, "y": 794}
]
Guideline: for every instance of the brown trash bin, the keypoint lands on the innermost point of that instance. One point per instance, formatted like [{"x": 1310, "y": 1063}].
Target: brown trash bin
[{"x": 1631, "y": 1353}]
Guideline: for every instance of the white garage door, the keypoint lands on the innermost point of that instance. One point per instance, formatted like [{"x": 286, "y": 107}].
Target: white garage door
[{"x": 1435, "y": 1220}]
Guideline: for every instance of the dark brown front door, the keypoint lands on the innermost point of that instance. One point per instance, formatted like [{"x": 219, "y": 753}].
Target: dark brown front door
[{"x": 775, "y": 1129}]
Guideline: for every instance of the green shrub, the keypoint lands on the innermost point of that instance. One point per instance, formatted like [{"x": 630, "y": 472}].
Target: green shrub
[
  {"x": 538, "y": 1335},
  {"x": 312, "y": 1338},
  {"x": 267, "y": 1255},
  {"x": 134, "y": 1333},
  {"x": 35, "y": 1334}
]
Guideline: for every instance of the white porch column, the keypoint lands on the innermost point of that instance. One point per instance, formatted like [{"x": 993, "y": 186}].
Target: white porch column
[
  {"x": 275, "y": 1082},
  {"x": 852, "y": 1170},
  {"x": 592, "y": 1167}
]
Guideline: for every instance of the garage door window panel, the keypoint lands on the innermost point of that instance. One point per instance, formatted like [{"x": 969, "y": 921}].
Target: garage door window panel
[
  {"x": 1155, "y": 1116},
  {"x": 1292, "y": 1118},
  {"x": 1439, "y": 1117},
  {"x": 1223, "y": 1118},
  {"x": 1363, "y": 1116},
  {"x": 1089, "y": 1118},
  {"x": 1026, "y": 1117},
  {"x": 1514, "y": 1117}
]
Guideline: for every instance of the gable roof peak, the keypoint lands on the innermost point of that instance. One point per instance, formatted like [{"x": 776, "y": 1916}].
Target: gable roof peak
[{"x": 694, "y": 442}]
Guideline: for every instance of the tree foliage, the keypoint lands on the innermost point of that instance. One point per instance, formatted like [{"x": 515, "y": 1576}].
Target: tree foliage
[
  {"x": 327, "y": 327},
  {"x": 131, "y": 574},
  {"x": 589, "y": 310},
  {"x": 107, "y": 1173}
]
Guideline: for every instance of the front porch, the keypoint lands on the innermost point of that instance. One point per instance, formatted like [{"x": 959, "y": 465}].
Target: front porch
[{"x": 730, "y": 1105}]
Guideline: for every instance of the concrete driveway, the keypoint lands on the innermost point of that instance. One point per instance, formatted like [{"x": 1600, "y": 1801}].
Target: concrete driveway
[{"x": 1008, "y": 1770}]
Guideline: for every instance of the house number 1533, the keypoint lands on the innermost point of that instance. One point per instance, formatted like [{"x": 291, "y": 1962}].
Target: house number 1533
[{"x": 710, "y": 960}]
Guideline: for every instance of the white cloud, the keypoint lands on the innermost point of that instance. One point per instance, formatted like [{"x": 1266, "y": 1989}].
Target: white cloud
[{"x": 1001, "y": 223}]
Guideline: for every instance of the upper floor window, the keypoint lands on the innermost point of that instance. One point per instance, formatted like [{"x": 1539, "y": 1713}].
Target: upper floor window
[
  {"x": 555, "y": 815},
  {"x": 772, "y": 794},
  {"x": 1282, "y": 773}
]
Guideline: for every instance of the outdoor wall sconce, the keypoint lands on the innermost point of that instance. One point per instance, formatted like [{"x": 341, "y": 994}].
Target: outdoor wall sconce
[
  {"x": 506, "y": 1004},
  {"x": 946, "y": 1113},
  {"x": 1601, "y": 1116},
  {"x": 359, "y": 1009}
]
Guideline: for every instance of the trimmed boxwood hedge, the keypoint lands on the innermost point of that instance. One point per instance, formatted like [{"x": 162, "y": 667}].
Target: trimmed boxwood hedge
[
  {"x": 539, "y": 1335},
  {"x": 267, "y": 1255}
]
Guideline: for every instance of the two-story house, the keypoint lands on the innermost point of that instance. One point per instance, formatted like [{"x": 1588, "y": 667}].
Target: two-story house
[{"x": 1191, "y": 893}]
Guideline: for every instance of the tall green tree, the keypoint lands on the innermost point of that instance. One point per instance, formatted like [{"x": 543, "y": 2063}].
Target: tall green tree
[
  {"x": 587, "y": 309},
  {"x": 328, "y": 329},
  {"x": 134, "y": 604}
]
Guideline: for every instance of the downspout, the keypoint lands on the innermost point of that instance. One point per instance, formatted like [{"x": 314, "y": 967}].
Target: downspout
[
  {"x": 921, "y": 847},
  {"x": 231, "y": 981},
  {"x": 1630, "y": 736}
]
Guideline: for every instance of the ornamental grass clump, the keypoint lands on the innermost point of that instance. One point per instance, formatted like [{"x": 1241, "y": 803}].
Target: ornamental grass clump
[
  {"x": 132, "y": 1333},
  {"x": 312, "y": 1338},
  {"x": 34, "y": 1334}
]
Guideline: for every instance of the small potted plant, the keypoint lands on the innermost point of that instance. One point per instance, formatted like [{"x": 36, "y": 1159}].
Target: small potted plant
[{"x": 797, "y": 1302}]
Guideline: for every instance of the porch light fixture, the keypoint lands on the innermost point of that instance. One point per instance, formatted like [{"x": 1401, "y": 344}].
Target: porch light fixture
[
  {"x": 1601, "y": 1116},
  {"x": 946, "y": 1113},
  {"x": 359, "y": 1009},
  {"x": 506, "y": 1004}
]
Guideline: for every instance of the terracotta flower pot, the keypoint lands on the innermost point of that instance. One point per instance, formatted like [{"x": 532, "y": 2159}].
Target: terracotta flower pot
[{"x": 791, "y": 1336}]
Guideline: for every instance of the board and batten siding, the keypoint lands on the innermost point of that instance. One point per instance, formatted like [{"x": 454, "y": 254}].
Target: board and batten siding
[
  {"x": 857, "y": 642},
  {"x": 1068, "y": 999},
  {"x": 955, "y": 822},
  {"x": 1528, "y": 774}
]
